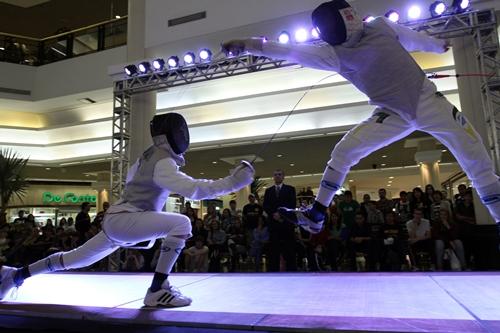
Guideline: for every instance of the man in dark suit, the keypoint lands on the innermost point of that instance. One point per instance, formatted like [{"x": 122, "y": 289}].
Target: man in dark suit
[{"x": 281, "y": 233}]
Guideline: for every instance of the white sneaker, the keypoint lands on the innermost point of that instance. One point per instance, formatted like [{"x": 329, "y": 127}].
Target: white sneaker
[
  {"x": 7, "y": 280},
  {"x": 166, "y": 297}
]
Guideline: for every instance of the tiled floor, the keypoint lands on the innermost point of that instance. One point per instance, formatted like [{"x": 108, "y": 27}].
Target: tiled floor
[{"x": 412, "y": 302}]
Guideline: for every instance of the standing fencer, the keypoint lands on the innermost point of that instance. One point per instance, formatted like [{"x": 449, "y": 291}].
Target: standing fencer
[
  {"x": 375, "y": 58},
  {"x": 138, "y": 215}
]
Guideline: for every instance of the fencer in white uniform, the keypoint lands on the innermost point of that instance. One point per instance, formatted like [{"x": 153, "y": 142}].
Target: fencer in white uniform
[
  {"x": 375, "y": 58},
  {"x": 138, "y": 215}
]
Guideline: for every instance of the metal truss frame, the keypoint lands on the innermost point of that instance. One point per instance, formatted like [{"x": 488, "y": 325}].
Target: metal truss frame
[{"x": 479, "y": 24}]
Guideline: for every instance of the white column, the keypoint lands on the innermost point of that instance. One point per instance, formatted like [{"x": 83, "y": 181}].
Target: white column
[
  {"x": 429, "y": 167},
  {"x": 143, "y": 105}
]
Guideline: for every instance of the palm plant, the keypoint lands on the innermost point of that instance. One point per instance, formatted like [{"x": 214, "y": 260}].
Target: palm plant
[
  {"x": 257, "y": 185},
  {"x": 12, "y": 179}
]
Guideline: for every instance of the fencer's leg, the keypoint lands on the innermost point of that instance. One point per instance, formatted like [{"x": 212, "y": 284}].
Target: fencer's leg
[
  {"x": 161, "y": 293},
  {"x": 445, "y": 122},
  {"x": 92, "y": 251},
  {"x": 380, "y": 130}
]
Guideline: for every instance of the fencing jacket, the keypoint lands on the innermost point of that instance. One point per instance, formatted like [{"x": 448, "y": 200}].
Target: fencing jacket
[
  {"x": 156, "y": 174},
  {"x": 379, "y": 64}
]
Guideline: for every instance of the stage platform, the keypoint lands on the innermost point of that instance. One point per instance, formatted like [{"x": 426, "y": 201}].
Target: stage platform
[{"x": 340, "y": 302}]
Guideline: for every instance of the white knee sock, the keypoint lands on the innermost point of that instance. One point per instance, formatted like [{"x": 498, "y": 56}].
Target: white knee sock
[
  {"x": 330, "y": 183},
  {"x": 170, "y": 250},
  {"x": 52, "y": 263},
  {"x": 490, "y": 196}
]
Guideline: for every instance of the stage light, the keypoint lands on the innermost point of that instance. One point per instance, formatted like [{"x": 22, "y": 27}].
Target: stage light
[
  {"x": 460, "y": 6},
  {"x": 393, "y": 16},
  {"x": 144, "y": 67},
  {"x": 158, "y": 64},
  {"x": 284, "y": 37},
  {"x": 438, "y": 8},
  {"x": 314, "y": 33},
  {"x": 414, "y": 12},
  {"x": 205, "y": 55},
  {"x": 130, "y": 70},
  {"x": 173, "y": 62},
  {"x": 368, "y": 18},
  {"x": 189, "y": 58},
  {"x": 301, "y": 35}
]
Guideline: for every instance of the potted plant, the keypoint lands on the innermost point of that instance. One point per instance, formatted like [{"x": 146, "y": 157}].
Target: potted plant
[{"x": 12, "y": 179}]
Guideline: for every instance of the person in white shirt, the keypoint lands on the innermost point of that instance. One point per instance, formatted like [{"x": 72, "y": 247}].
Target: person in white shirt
[
  {"x": 138, "y": 216},
  {"x": 375, "y": 58},
  {"x": 419, "y": 234}
]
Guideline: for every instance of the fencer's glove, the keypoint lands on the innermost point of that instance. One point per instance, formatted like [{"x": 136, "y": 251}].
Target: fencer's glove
[
  {"x": 243, "y": 174},
  {"x": 235, "y": 47}
]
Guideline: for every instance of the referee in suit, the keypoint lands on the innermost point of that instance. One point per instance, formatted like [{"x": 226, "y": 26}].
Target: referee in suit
[{"x": 281, "y": 233}]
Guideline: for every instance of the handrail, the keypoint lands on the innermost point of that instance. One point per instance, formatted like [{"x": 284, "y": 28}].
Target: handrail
[{"x": 123, "y": 18}]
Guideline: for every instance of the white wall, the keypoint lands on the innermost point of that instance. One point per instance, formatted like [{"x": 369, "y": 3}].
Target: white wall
[
  {"x": 14, "y": 76},
  {"x": 85, "y": 73}
]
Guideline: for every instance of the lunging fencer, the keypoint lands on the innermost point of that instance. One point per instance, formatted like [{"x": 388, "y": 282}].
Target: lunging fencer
[
  {"x": 138, "y": 215},
  {"x": 375, "y": 58}
]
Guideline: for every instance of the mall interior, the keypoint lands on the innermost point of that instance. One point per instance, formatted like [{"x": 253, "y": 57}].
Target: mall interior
[{"x": 62, "y": 65}]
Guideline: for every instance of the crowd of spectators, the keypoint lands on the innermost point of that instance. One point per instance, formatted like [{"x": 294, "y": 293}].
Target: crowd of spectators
[{"x": 420, "y": 230}]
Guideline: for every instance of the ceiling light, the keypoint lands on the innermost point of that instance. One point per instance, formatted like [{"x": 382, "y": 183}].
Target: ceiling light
[
  {"x": 391, "y": 177},
  {"x": 214, "y": 162},
  {"x": 292, "y": 164},
  {"x": 384, "y": 156}
]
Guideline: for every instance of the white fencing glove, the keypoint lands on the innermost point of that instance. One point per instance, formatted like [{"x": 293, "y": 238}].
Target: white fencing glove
[{"x": 243, "y": 174}]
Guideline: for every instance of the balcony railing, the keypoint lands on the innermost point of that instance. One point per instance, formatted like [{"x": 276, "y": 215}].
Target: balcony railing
[{"x": 36, "y": 52}]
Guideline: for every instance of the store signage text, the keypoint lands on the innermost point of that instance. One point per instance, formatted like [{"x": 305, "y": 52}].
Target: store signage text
[{"x": 69, "y": 197}]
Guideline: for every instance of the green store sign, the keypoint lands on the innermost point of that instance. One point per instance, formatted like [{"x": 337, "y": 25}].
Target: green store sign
[{"x": 49, "y": 197}]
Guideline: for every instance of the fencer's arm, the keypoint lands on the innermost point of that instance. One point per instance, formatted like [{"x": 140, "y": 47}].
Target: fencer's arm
[
  {"x": 168, "y": 176},
  {"x": 414, "y": 41},
  {"x": 321, "y": 57}
]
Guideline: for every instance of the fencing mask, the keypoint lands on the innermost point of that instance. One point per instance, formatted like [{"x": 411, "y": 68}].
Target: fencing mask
[
  {"x": 170, "y": 128},
  {"x": 337, "y": 22}
]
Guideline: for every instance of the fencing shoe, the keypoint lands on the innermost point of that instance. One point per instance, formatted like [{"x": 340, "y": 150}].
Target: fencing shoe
[{"x": 166, "y": 297}]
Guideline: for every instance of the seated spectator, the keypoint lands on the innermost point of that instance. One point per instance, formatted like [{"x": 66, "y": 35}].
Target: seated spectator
[
  {"x": 438, "y": 205},
  {"x": 466, "y": 220},
  {"x": 419, "y": 201},
  {"x": 226, "y": 219},
  {"x": 71, "y": 225},
  {"x": 196, "y": 257},
  {"x": 199, "y": 231},
  {"x": 133, "y": 262},
  {"x": 190, "y": 212},
  {"x": 364, "y": 205},
  {"x": 348, "y": 208},
  {"x": 445, "y": 234},
  {"x": 337, "y": 233},
  {"x": 63, "y": 223},
  {"x": 234, "y": 211},
  {"x": 429, "y": 193},
  {"x": 419, "y": 233},
  {"x": 392, "y": 253},
  {"x": 260, "y": 239},
  {"x": 20, "y": 217},
  {"x": 30, "y": 221},
  {"x": 359, "y": 242},
  {"x": 236, "y": 241},
  {"x": 459, "y": 197},
  {"x": 383, "y": 204},
  {"x": 403, "y": 210},
  {"x": 211, "y": 216},
  {"x": 216, "y": 241},
  {"x": 375, "y": 221},
  {"x": 48, "y": 225}
]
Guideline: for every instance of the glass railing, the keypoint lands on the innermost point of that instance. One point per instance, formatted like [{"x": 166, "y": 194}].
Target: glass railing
[{"x": 37, "y": 52}]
